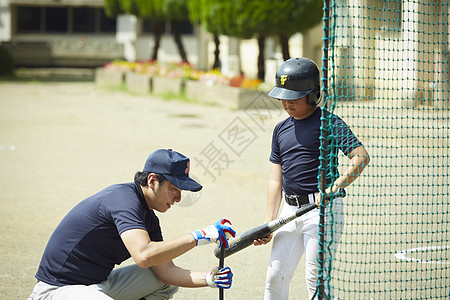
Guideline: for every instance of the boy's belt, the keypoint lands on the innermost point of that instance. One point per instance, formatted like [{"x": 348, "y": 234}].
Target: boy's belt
[{"x": 297, "y": 200}]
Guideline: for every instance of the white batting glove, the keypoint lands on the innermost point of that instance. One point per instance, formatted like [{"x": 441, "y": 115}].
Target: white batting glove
[
  {"x": 219, "y": 278},
  {"x": 218, "y": 232}
]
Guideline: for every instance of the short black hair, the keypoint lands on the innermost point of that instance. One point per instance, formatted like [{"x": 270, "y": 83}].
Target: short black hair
[{"x": 141, "y": 177}]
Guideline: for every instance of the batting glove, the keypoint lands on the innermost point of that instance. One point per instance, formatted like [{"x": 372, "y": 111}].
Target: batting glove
[
  {"x": 219, "y": 232},
  {"x": 219, "y": 278}
]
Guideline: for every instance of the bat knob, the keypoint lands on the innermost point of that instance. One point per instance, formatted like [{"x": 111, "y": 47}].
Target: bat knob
[{"x": 217, "y": 251}]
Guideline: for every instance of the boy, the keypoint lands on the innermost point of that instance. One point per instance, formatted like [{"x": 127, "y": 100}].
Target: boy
[{"x": 293, "y": 178}]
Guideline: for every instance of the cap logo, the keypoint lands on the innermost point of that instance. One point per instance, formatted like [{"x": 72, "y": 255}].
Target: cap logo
[
  {"x": 188, "y": 168},
  {"x": 283, "y": 79}
]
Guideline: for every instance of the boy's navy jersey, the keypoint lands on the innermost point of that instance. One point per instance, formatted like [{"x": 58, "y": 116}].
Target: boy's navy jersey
[
  {"x": 295, "y": 146},
  {"x": 86, "y": 245}
]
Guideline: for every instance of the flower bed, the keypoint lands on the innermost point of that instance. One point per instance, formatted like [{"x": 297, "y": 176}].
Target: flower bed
[
  {"x": 210, "y": 87},
  {"x": 162, "y": 85},
  {"x": 104, "y": 77},
  {"x": 138, "y": 83},
  {"x": 228, "y": 96}
]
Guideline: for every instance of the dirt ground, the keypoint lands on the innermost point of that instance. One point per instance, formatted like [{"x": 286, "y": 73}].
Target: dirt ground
[{"x": 60, "y": 142}]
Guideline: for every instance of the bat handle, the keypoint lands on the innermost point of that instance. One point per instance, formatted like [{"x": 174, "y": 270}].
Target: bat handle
[{"x": 221, "y": 265}]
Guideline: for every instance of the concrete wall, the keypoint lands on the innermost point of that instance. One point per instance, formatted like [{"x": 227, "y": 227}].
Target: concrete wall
[
  {"x": 5, "y": 21},
  {"x": 64, "y": 51}
]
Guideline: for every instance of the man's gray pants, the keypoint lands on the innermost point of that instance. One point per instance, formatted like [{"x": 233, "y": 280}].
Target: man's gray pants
[{"x": 126, "y": 283}]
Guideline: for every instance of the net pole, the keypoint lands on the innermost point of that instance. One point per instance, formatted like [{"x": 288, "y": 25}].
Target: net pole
[{"x": 323, "y": 152}]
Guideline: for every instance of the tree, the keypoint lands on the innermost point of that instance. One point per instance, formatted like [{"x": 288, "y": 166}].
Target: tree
[
  {"x": 112, "y": 8},
  {"x": 151, "y": 11},
  {"x": 176, "y": 10},
  {"x": 236, "y": 18},
  {"x": 287, "y": 17},
  {"x": 251, "y": 20},
  {"x": 156, "y": 12},
  {"x": 303, "y": 15},
  {"x": 232, "y": 18},
  {"x": 204, "y": 12}
]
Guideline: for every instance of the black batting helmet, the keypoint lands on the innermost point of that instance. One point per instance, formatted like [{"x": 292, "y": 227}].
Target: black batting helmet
[{"x": 296, "y": 78}]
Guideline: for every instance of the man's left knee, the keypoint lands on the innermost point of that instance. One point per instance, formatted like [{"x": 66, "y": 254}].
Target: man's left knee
[{"x": 166, "y": 292}]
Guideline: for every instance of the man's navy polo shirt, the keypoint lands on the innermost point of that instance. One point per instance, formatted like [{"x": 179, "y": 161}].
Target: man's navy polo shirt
[{"x": 86, "y": 245}]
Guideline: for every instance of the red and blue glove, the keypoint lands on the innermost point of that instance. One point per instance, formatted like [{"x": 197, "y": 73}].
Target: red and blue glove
[
  {"x": 219, "y": 278},
  {"x": 218, "y": 232}
]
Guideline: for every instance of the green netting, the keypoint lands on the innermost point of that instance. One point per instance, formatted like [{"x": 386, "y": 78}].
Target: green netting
[{"x": 386, "y": 66}]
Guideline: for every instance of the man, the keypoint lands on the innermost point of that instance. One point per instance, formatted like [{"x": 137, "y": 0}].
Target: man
[
  {"x": 293, "y": 178},
  {"x": 119, "y": 222}
]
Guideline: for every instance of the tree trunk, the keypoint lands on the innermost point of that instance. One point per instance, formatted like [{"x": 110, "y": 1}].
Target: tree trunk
[
  {"x": 216, "y": 52},
  {"x": 284, "y": 41},
  {"x": 158, "y": 29},
  {"x": 261, "y": 66},
  {"x": 177, "y": 38}
]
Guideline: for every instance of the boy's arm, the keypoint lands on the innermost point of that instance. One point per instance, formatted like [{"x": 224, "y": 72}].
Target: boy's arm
[
  {"x": 273, "y": 199},
  {"x": 359, "y": 159},
  {"x": 274, "y": 193}
]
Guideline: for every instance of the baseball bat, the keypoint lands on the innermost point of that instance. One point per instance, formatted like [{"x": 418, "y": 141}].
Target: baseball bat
[
  {"x": 246, "y": 239},
  {"x": 221, "y": 264}
]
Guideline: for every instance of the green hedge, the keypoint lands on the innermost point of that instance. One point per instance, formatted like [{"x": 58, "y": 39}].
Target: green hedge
[{"x": 6, "y": 62}]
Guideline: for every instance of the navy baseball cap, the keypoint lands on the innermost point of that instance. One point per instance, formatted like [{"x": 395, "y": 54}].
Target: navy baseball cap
[{"x": 174, "y": 166}]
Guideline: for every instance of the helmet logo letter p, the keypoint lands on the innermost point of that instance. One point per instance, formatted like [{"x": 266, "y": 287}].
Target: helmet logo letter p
[{"x": 283, "y": 79}]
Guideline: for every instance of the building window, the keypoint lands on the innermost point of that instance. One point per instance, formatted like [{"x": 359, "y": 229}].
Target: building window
[
  {"x": 106, "y": 24},
  {"x": 83, "y": 20},
  {"x": 39, "y": 19},
  {"x": 29, "y": 19},
  {"x": 56, "y": 19}
]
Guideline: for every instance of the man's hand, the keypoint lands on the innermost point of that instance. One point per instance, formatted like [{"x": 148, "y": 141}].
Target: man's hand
[
  {"x": 218, "y": 232},
  {"x": 219, "y": 278}
]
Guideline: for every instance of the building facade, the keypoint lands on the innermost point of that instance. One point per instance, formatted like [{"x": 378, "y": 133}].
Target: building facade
[
  {"x": 58, "y": 33},
  {"x": 77, "y": 33}
]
